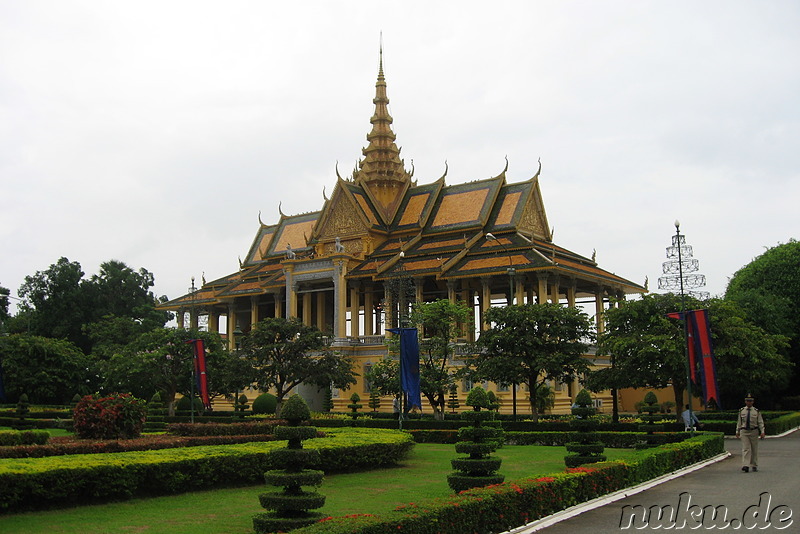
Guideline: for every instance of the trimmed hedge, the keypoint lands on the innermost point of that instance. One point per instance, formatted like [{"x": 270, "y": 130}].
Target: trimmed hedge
[
  {"x": 615, "y": 440},
  {"x": 782, "y": 424},
  {"x": 58, "y": 448},
  {"x": 505, "y": 506},
  {"x": 11, "y": 438},
  {"x": 255, "y": 428},
  {"x": 70, "y": 480}
]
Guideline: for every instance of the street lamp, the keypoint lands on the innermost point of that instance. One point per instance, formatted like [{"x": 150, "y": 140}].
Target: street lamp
[
  {"x": 510, "y": 269},
  {"x": 683, "y": 318},
  {"x": 511, "y": 273}
]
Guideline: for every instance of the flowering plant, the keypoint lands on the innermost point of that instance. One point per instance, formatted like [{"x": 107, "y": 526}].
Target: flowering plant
[{"x": 115, "y": 416}]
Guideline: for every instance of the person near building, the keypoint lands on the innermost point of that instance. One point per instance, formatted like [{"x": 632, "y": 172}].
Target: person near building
[
  {"x": 749, "y": 428},
  {"x": 396, "y": 406},
  {"x": 690, "y": 420}
]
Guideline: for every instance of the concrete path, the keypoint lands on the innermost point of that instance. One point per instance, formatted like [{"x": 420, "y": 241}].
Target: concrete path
[{"x": 766, "y": 501}]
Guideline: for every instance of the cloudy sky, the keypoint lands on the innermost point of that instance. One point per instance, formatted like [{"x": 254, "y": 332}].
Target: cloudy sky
[{"x": 155, "y": 132}]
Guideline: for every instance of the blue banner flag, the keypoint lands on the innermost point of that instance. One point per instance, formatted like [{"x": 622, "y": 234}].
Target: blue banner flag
[{"x": 409, "y": 364}]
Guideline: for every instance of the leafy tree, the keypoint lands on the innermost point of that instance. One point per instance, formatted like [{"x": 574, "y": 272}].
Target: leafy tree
[
  {"x": 50, "y": 371},
  {"x": 533, "y": 343},
  {"x": 286, "y": 353},
  {"x": 439, "y": 322},
  {"x": 384, "y": 376},
  {"x": 4, "y": 293},
  {"x": 162, "y": 360},
  {"x": 111, "y": 334},
  {"x": 647, "y": 348},
  {"x": 109, "y": 309},
  {"x": 741, "y": 346},
  {"x": 56, "y": 303},
  {"x": 119, "y": 291},
  {"x": 768, "y": 290}
]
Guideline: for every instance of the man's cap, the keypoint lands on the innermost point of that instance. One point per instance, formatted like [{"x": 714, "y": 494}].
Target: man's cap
[{"x": 749, "y": 396}]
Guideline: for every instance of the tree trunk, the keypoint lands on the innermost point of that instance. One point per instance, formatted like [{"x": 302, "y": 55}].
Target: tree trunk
[
  {"x": 679, "y": 404},
  {"x": 533, "y": 386},
  {"x": 614, "y": 406}
]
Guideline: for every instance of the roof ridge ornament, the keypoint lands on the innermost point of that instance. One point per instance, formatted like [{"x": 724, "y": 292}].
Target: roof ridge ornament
[{"x": 538, "y": 172}]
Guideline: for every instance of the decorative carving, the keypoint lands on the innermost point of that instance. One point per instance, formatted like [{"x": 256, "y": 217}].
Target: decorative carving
[
  {"x": 343, "y": 220},
  {"x": 351, "y": 246},
  {"x": 532, "y": 220}
]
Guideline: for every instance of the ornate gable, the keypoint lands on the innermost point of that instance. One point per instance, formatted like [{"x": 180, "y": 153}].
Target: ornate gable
[
  {"x": 534, "y": 218},
  {"x": 342, "y": 217}
]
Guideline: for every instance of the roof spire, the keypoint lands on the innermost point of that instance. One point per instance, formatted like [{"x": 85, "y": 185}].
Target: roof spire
[{"x": 381, "y": 170}]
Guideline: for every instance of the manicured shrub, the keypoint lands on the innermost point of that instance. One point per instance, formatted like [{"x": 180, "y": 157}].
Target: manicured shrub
[
  {"x": 452, "y": 401},
  {"x": 115, "y": 416},
  {"x": 651, "y": 407},
  {"x": 354, "y": 405},
  {"x": 327, "y": 401},
  {"x": 266, "y": 403},
  {"x": 12, "y": 438},
  {"x": 28, "y": 483},
  {"x": 291, "y": 505},
  {"x": 261, "y": 427},
  {"x": 374, "y": 400},
  {"x": 479, "y": 468},
  {"x": 22, "y": 411},
  {"x": 184, "y": 404},
  {"x": 155, "y": 414},
  {"x": 587, "y": 449},
  {"x": 241, "y": 406}
]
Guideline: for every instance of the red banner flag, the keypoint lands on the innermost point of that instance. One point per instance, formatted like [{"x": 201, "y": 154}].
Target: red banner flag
[
  {"x": 200, "y": 371},
  {"x": 700, "y": 351},
  {"x": 698, "y": 319},
  {"x": 689, "y": 348}
]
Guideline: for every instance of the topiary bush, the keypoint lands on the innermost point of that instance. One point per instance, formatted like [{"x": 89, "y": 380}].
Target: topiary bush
[
  {"x": 374, "y": 400},
  {"x": 354, "y": 405},
  {"x": 452, "y": 401},
  {"x": 290, "y": 506},
  {"x": 184, "y": 405},
  {"x": 22, "y": 411},
  {"x": 241, "y": 406},
  {"x": 115, "y": 416},
  {"x": 651, "y": 407},
  {"x": 327, "y": 401},
  {"x": 266, "y": 403},
  {"x": 155, "y": 414},
  {"x": 587, "y": 449},
  {"x": 479, "y": 468}
]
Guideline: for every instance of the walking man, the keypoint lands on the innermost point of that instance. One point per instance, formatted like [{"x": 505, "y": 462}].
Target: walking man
[{"x": 749, "y": 427}]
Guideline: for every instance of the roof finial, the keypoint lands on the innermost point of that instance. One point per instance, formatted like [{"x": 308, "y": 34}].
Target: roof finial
[{"x": 380, "y": 56}]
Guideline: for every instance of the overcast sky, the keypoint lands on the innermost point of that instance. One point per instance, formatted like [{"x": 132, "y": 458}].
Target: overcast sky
[{"x": 155, "y": 132}]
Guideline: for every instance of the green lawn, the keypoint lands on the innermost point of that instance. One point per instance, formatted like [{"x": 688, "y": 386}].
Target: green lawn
[{"x": 229, "y": 511}]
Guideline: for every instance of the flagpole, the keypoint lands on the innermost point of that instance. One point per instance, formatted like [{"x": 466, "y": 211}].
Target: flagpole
[{"x": 685, "y": 329}]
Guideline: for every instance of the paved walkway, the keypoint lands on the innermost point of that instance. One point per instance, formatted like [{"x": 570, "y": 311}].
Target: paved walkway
[{"x": 776, "y": 488}]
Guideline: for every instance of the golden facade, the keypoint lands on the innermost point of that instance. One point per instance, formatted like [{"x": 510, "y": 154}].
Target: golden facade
[{"x": 481, "y": 242}]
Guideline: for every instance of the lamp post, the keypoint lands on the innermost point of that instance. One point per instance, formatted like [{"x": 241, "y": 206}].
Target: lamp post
[
  {"x": 192, "y": 319},
  {"x": 685, "y": 324},
  {"x": 510, "y": 301},
  {"x": 680, "y": 274}
]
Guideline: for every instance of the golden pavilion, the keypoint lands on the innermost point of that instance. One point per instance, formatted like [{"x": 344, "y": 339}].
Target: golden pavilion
[{"x": 481, "y": 242}]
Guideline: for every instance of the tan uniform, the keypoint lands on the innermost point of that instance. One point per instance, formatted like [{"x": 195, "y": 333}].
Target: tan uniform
[{"x": 749, "y": 426}]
